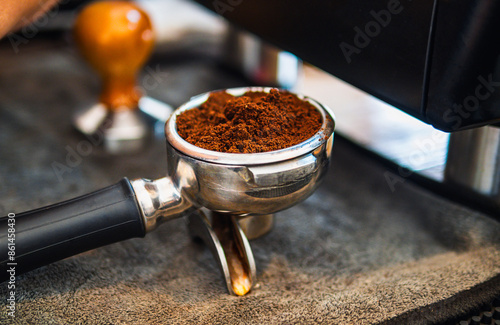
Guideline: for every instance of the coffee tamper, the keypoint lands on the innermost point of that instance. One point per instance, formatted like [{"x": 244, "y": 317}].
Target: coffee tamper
[
  {"x": 116, "y": 38},
  {"x": 240, "y": 192}
]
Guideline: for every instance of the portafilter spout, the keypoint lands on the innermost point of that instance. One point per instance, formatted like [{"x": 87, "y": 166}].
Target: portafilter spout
[{"x": 230, "y": 184}]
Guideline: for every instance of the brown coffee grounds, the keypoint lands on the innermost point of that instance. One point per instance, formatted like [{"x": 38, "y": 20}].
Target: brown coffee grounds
[{"x": 254, "y": 122}]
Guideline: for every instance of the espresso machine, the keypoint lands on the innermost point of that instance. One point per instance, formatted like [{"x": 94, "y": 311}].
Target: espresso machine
[{"x": 435, "y": 60}]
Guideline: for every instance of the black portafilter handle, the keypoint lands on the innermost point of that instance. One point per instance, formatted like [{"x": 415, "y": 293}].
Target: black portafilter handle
[{"x": 42, "y": 236}]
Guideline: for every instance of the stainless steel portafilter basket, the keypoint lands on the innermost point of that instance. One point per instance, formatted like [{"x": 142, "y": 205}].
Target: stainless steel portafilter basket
[{"x": 235, "y": 187}]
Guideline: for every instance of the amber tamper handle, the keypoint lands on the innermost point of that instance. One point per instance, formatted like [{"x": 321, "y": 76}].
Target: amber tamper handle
[{"x": 116, "y": 38}]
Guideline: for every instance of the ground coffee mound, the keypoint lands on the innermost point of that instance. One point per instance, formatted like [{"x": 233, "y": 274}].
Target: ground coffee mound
[{"x": 254, "y": 122}]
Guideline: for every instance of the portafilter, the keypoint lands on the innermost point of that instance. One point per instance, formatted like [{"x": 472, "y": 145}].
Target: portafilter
[{"x": 232, "y": 185}]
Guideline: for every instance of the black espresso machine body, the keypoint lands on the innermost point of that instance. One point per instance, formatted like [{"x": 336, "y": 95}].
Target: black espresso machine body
[{"x": 435, "y": 60}]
